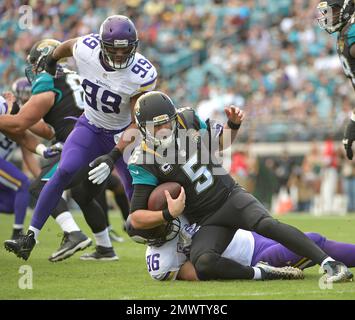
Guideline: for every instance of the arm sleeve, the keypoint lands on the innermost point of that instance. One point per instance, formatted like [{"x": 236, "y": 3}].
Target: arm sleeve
[{"x": 141, "y": 193}]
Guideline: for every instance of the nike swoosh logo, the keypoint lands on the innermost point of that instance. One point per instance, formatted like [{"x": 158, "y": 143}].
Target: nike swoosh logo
[
  {"x": 135, "y": 172},
  {"x": 152, "y": 76}
]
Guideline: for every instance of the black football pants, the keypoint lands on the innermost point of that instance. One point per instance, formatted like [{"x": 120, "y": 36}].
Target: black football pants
[{"x": 243, "y": 211}]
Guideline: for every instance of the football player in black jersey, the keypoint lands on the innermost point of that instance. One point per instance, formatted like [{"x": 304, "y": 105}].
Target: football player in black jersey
[
  {"x": 338, "y": 16},
  {"x": 213, "y": 199}
]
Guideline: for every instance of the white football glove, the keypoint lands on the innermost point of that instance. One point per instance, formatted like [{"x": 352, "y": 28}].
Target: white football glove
[
  {"x": 103, "y": 166},
  {"x": 100, "y": 173}
]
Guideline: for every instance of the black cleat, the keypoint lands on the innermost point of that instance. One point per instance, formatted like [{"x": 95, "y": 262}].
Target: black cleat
[
  {"x": 16, "y": 234},
  {"x": 71, "y": 243},
  {"x": 337, "y": 272},
  {"x": 283, "y": 273},
  {"x": 23, "y": 246},
  {"x": 101, "y": 253},
  {"x": 114, "y": 236}
]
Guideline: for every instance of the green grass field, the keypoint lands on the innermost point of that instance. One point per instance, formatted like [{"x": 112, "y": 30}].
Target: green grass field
[{"x": 128, "y": 278}]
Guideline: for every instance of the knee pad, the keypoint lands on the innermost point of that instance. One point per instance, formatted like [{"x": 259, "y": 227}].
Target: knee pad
[{"x": 206, "y": 265}]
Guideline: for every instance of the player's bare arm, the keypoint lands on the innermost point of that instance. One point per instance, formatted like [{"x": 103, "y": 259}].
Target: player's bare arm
[
  {"x": 32, "y": 112},
  {"x": 125, "y": 140},
  {"x": 64, "y": 50},
  {"x": 235, "y": 118},
  {"x": 187, "y": 272},
  {"x": 31, "y": 162},
  {"x": 42, "y": 130},
  {"x": 26, "y": 139}
]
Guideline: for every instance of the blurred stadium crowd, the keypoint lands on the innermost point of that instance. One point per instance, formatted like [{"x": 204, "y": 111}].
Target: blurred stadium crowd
[{"x": 269, "y": 57}]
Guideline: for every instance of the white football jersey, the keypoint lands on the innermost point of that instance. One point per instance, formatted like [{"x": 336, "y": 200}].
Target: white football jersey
[
  {"x": 241, "y": 248},
  {"x": 7, "y": 146},
  {"x": 164, "y": 262},
  {"x": 107, "y": 92}
]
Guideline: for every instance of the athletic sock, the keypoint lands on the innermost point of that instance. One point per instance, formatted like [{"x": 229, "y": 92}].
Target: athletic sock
[
  {"x": 103, "y": 239},
  {"x": 67, "y": 222},
  {"x": 326, "y": 260},
  {"x": 35, "y": 231}
]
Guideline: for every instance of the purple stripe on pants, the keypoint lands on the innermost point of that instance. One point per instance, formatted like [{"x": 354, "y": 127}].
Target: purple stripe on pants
[{"x": 85, "y": 143}]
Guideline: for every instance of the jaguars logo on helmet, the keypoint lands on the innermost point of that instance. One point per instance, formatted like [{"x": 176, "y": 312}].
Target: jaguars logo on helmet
[
  {"x": 37, "y": 57},
  {"x": 334, "y": 14},
  {"x": 155, "y": 108}
]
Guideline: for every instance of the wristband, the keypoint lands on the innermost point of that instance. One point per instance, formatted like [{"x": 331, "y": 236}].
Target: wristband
[
  {"x": 233, "y": 126},
  {"x": 352, "y": 116},
  {"x": 40, "y": 148},
  {"x": 115, "y": 154},
  {"x": 167, "y": 216}
]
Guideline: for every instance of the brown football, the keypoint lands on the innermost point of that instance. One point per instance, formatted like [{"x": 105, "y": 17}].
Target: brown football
[{"x": 157, "y": 200}]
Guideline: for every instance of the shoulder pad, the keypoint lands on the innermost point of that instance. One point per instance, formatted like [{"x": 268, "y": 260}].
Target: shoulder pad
[
  {"x": 143, "y": 73},
  {"x": 85, "y": 47}
]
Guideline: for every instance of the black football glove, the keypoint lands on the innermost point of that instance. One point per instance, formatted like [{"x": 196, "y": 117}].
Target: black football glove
[
  {"x": 349, "y": 138},
  {"x": 103, "y": 166},
  {"x": 51, "y": 64}
]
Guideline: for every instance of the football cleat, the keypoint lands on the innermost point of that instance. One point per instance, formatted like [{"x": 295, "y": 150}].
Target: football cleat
[
  {"x": 101, "y": 253},
  {"x": 337, "y": 272},
  {"x": 71, "y": 243},
  {"x": 23, "y": 246},
  {"x": 283, "y": 273},
  {"x": 114, "y": 236},
  {"x": 16, "y": 234}
]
